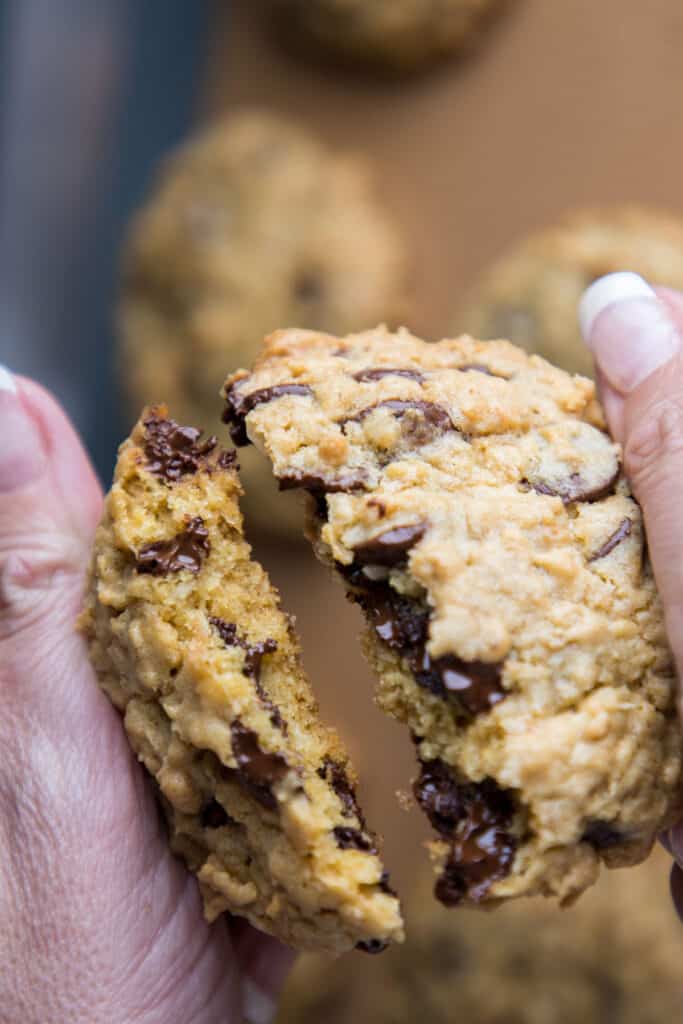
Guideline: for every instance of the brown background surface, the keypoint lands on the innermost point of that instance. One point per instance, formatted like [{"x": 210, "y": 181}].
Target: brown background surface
[{"x": 566, "y": 102}]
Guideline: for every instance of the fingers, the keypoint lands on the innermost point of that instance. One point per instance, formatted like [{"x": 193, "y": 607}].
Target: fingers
[
  {"x": 265, "y": 964},
  {"x": 636, "y": 336}
]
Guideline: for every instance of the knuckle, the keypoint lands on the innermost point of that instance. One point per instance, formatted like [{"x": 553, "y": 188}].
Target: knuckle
[
  {"x": 656, "y": 440},
  {"x": 31, "y": 583}
]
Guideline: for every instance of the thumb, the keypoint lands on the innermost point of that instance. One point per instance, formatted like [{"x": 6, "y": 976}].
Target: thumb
[
  {"x": 635, "y": 333},
  {"x": 50, "y": 502}
]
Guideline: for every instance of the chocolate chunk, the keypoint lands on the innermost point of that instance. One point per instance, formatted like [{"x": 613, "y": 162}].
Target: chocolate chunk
[
  {"x": 353, "y": 839},
  {"x": 602, "y": 835},
  {"x": 622, "y": 531},
  {"x": 173, "y": 451},
  {"x": 372, "y": 946},
  {"x": 185, "y": 551},
  {"x": 575, "y": 488},
  {"x": 433, "y": 415},
  {"x": 390, "y": 547},
  {"x": 256, "y": 770},
  {"x": 335, "y": 775},
  {"x": 239, "y": 406},
  {"x": 214, "y": 816},
  {"x": 366, "y": 376},
  {"x": 318, "y": 484},
  {"x": 476, "y": 818},
  {"x": 403, "y": 625},
  {"x": 228, "y": 459},
  {"x": 253, "y": 655}
]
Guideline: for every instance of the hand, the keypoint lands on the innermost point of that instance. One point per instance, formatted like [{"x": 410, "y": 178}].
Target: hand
[
  {"x": 98, "y": 921},
  {"x": 636, "y": 335}
]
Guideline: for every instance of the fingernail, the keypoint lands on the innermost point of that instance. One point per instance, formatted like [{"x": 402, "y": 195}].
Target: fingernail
[
  {"x": 257, "y": 1006},
  {"x": 628, "y": 329},
  {"x": 22, "y": 453}
]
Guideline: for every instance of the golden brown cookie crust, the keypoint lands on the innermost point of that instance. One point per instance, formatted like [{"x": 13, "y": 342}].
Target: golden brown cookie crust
[
  {"x": 474, "y": 506},
  {"x": 189, "y": 642}
]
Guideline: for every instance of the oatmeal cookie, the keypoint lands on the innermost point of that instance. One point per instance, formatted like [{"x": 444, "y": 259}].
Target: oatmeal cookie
[
  {"x": 531, "y": 295},
  {"x": 614, "y": 957},
  {"x": 395, "y": 36},
  {"x": 468, "y": 496},
  {"x": 189, "y": 642},
  {"x": 252, "y": 224}
]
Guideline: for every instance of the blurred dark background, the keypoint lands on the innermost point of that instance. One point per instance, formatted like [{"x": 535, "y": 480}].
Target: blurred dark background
[{"x": 92, "y": 92}]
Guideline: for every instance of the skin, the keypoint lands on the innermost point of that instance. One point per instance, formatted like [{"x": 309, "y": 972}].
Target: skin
[{"x": 97, "y": 920}]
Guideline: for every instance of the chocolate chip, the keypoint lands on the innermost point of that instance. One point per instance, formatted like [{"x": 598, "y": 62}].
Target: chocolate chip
[
  {"x": 481, "y": 368},
  {"x": 385, "y": 885},
  {"x": 353, "y": 839},
  {"x": 390, "y": 547},
  {"x": 185, "y": 551},
  {"x": 173, "y": 451},
  {"x": 575, "y": 488},
  {"x": 622, "y": 531},
  {"x": 228, "y": 459},
  {"x": 318, "y": 484},
  {"x": 239, "y": 406},
  {"x": 366, "y": 376},
  {"x": 372, "y": 946},
  {"x": 335, "y": 775},
  {"x": 433, "y": 415},
  {"x": 253, "y": 655},
  {"x": 257, "y": 772},
  {"x": 214, "y": 816},
  {"x": 475, "y": 686},
  {"x": 602, "y": 835},
  {"x": 476, "y": 818}
]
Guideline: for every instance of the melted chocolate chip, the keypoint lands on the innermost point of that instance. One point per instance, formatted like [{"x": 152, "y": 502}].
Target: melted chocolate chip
[
  {"x": 335, "y": 775},
  {"x": 366, "y": 376},
  {"x": 481, "y": 368},
  {"x": 372, "y": 946},
  {"x": 256, "y": 770},
  {"x": 353, "y": 839},
  {"x": 173, "y": 451},
  {"x": 476, "y": 686},
  {"x": 476, "y": 818},
  {"x": 602, "y": 835},
  {"x": 321, "y": 485},
  {"x": 622, "y": 531},
  {"x": 213, "y": 815},
  {"x": 239, "y": 406},
  {"x": 390, "y": 547},
  {"x": 575, "y": 488},
  {"x": 185, "y": 551},
  {"x": 253, "y": 655},
  {"x": 434, "y": 416}
]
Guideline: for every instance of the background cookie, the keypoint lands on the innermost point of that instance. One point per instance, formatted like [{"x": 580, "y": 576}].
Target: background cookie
[
  {"x": 251, "y": 225},
  {"x": 189, "y": 643},
  {"x": 531, "y": 295},
  {"x": 390, "y": 35},
  {"x": 468, "y": 497},
  {"x": 614, "y": 957}
]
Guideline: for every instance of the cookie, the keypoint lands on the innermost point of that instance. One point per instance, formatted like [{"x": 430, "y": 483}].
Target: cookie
[
  {"x": 252, "y": 224},
  {"x": 469, "y": 498},
  {"x": 189, "y": 642},
  {"x": 615, "y": 957},
  {"x": 531, "y": 295},
  {"x": 395, "y": 36}
]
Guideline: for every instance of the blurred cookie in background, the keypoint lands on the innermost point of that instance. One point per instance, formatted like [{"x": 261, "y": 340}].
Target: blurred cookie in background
[
  {"x": 251, "y": 226},
  {"x": 391, "y": 36},
  {"x": 614, "y": 958},
  {"x": 531, "y": 295}
]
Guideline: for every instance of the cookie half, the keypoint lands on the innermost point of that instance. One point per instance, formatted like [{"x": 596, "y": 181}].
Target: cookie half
[
  {"x": 394, "y": 36},
  {"x": 189, "y": 642},
  {"x": 531, "y": 294},
  {"x": 472, "y": 503},
  {"x": 252, "y": 224}
]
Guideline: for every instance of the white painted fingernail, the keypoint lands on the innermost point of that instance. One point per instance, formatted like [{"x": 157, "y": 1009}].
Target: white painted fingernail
[
  {"x": 257, "y": 1006},
  {"x": 630, "y": 332},
  {"x": 7, "y": 381}
]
